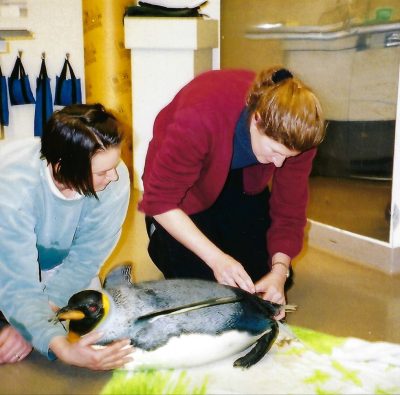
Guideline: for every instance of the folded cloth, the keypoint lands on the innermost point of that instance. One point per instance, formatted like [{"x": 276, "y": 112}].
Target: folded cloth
[
  {"x": 176, "y": 3},
  {"x": 152, "y": 10}
]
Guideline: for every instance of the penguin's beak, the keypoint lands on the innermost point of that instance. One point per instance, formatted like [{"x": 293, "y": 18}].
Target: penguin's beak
[{"x": 67, "y": 314}]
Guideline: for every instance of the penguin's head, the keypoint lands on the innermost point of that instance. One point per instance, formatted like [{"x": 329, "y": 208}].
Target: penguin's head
[{"x": 85, "y": 310}]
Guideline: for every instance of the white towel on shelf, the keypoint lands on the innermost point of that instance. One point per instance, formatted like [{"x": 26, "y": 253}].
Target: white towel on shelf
[{"x": 176, "y": 3}]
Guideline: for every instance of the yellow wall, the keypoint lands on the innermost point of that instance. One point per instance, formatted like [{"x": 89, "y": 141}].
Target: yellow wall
[{"x": 107, "y": 63}]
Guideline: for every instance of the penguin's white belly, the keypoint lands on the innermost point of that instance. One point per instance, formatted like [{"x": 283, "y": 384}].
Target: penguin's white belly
[{"x": 192, "y": 349}]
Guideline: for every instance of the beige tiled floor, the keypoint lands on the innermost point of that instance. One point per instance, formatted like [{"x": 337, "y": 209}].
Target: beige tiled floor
[
  {"x": 333, "y": 296},
  {"x": 358, "y": 206}
]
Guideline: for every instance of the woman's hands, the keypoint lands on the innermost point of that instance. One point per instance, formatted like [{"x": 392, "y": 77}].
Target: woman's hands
[
  {"x": 13, "y": 347},
  {"x": 83, "y": 354},
  {"x": 272, "y": 286},
  {"x": 226, "y": 269},
  {"x": 229, "y": 271}
]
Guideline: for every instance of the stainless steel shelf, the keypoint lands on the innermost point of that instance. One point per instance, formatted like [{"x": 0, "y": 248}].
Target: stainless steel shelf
[{"x": 328, "y": 32}]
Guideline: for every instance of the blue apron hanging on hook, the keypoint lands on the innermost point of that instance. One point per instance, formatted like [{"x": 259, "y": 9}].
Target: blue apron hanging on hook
[
  {"x": 68, "y": 91},
  {"x": 3, "y": 100},
  {"x": 44, "y": 100},
  {"x": 18, "y": 85}
]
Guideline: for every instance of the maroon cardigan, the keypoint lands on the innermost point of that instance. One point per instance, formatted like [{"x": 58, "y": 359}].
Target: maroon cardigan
[{"x": 190, "y": 154}]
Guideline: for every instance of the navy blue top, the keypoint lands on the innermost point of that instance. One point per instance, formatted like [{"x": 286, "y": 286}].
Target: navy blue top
[{"x": 243, "y": 155}]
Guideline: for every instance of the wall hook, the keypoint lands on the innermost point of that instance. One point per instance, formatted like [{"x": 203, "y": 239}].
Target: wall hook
[
  {"x": 67, "y": 56},
  {"x": 19, "y": 53},
  {"x": 43, "y": 55}
]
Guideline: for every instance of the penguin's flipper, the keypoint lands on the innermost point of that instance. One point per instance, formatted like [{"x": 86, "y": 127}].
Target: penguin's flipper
[
  {"x": 120, "y": 275},
  {"x": 262, "y": 346},
  {"x": 189, "y": 307}
]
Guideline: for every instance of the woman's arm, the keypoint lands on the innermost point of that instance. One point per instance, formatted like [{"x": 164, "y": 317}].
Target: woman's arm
[
  {"x": 226, "y": 269},
  {"x": 288, "y": 203}
]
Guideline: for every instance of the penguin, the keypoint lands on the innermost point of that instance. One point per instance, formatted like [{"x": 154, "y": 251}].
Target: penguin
[{"x": 175, "y": 323}]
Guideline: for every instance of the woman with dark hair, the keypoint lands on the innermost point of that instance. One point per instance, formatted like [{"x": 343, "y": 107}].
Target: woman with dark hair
[
  {"x": 62, "y": 204},
  {"x": 215, "y": 147}
]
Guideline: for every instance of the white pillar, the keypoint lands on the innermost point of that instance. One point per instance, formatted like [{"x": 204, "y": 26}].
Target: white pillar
[{"x": 166, "y": 53}]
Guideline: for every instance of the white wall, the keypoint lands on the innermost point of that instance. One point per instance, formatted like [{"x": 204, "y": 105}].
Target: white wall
[
  {"x": 57, "y": 29},
  {"x": 153, "y": 44},
  {"x": 213, "y": 9},
  {"x": 395, "y": 209}
]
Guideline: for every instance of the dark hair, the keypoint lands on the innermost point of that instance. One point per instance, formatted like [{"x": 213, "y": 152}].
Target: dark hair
[
  {"x": 286, "y": 110},
  {"x": 71, "y": 137}
]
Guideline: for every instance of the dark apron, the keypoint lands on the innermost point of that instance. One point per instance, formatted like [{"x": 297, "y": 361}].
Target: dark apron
[{"x": 237, "y": 223}]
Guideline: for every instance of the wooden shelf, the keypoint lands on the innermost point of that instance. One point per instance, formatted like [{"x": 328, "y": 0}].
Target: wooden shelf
[{"x": 9, "y": 34}]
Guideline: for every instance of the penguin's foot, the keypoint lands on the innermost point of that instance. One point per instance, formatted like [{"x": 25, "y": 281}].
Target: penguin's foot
[
  {"x": 289, "y": 308},
  {"x": 262, "y": 346}
]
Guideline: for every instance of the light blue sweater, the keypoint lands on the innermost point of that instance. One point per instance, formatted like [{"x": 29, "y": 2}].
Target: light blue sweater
[{"x": 40, "y": 231}]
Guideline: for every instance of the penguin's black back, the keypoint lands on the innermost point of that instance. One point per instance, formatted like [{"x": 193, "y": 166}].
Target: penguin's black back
[{"x": 249, "y": 313}]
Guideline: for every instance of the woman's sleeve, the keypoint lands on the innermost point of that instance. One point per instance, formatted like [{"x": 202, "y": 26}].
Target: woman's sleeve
[
  {"x": 177, "y": 161},
  {"x": 288, "y": 203},
  {"x": 22, "y": 300}
]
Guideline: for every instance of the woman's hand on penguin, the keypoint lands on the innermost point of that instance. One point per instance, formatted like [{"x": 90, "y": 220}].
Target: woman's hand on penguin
[
  {"x": 229, "y": 271},
  {"x": 83, "y": 354},
  {"x": 271, "y": 287},
  {"x": 13, "y": 347}
]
